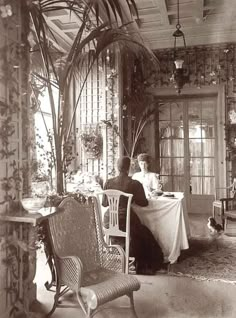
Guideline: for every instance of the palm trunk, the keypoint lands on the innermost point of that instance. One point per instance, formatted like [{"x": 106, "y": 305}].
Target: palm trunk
[{"x": 59, "y": 175}]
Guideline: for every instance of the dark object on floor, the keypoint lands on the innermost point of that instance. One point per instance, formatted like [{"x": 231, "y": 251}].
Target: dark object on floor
[{"x": 214, "y": 227}]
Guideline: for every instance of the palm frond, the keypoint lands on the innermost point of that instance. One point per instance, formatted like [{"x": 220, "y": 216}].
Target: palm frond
[
  {"x": 109, "y": 10},
  {"x": 102, "y": 24}
]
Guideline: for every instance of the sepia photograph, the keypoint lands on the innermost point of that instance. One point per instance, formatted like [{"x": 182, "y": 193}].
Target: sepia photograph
[{"x": 117, "y": 158}]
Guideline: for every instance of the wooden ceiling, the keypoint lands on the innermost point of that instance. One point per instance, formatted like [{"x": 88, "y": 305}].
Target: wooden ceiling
[{"x": 202, "y": 21}]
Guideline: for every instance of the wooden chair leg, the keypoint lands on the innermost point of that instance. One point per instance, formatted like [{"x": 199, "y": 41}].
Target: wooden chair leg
[
  {"x": 56, "y": 298},
  {"x": 127, "y": 256},
  {"x": 225, "y": 223},
  {"x": 49, "y": 285},
  {"x": 213, "y": 211}
]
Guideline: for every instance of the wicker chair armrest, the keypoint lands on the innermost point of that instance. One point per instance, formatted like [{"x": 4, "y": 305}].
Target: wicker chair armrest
[
  {"x": 70, "y": 270},
  {"x": 113, "y": 258}
]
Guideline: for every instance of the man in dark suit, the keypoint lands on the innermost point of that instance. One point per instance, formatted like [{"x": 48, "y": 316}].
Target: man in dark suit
[{"x": 143, "y": 246}]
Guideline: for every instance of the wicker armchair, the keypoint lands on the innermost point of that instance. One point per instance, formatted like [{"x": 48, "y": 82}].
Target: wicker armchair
[{"x": 84, "y": 263}]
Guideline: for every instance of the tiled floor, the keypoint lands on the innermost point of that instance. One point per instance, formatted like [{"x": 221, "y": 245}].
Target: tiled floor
[{"x": 160, "y": 295}]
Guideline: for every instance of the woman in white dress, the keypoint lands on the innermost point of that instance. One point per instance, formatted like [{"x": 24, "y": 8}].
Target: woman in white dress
[{"x": 149, "y": 180}]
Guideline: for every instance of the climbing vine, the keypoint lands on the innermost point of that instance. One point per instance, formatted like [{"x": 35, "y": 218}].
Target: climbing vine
[{"x": 16, "y": 240}]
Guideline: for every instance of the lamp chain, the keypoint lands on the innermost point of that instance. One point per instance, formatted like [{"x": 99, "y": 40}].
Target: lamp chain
[{"x": 178, "y": 26}]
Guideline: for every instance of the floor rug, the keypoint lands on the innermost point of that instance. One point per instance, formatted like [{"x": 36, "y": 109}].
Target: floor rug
[{"x": 208, "y": 259}]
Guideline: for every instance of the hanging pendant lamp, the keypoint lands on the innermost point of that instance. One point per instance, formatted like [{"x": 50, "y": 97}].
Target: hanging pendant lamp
[{"x": 178, "y": 74}]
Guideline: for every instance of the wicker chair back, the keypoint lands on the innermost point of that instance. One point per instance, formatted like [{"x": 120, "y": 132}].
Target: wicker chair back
[
  {"x": 84, "y": 263},
  {"x": 76, "y": 232}
]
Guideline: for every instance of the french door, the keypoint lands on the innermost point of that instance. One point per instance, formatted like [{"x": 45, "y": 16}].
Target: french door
[{"x": 187, "y": 131}]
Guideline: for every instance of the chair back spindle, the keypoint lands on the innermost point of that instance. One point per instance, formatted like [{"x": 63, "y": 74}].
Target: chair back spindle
[{"x": 113, "y": 198}]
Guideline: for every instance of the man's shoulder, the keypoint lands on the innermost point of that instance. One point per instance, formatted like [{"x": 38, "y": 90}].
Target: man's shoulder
[
  {"x": 111, "y": 180},
  {"x": 136, "y": 182}
]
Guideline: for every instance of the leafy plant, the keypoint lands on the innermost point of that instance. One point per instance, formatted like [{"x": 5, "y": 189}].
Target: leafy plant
[
  {"x": 92, "y": 142},
  {"x": 57, "y": 70},
  {"x": 138, "y": 126}
]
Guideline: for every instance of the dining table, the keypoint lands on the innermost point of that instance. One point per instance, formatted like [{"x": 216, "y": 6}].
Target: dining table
[{"x": 166, "y": 217}]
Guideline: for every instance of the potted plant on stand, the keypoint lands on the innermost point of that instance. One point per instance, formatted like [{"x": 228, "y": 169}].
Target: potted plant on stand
[{"x": 92, "y": 143}]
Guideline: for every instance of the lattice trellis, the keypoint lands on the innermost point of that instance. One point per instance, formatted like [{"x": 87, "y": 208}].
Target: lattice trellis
[
  {"x": 14, "y": 67},
  {"x": 99, "y": 101}
]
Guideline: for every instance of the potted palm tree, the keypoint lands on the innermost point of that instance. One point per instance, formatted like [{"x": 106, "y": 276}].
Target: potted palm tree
[{"x": 102, "y": 23}]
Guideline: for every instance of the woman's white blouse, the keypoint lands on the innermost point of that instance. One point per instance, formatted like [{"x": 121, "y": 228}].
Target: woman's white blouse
[{"x": 149, "y": 180}]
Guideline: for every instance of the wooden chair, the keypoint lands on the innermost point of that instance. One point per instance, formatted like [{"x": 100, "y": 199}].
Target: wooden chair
[
  {"x": 113, "y": 230},
  {"x": 228, "y": 211},
  {"x": 222, "y": 197},
  {"x": 84, "y": 263}
]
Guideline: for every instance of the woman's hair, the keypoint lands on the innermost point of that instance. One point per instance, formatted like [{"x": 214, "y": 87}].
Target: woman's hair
[{"x": 145, "y": 157}]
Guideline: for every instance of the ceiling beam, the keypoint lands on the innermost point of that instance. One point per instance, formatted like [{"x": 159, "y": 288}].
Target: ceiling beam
[
  {"x": 163, "y": 10},
  {"x": 200, "y": 39},
  {"x": 198, "y": 11},
  {"x": 210, "y": 24},
  {"x": 63, "y": 40},
  {"x": 230, "y": 12}
]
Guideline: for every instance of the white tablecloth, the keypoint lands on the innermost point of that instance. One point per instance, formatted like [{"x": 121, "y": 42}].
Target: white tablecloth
[{"x": 168, "y": 221}]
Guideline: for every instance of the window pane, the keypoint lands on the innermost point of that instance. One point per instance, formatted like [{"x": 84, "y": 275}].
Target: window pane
[
  {"x": 195, "y": 130},
  {"x": 165, "y": 166},
  {"x": 178, "y": 166},
  {"x": 178, "y": 148},
  {"x": 178, "y": 184},
  {"x": 209, "y": 130},
  {"x": 164, "y": 112},
  {"x": 209, "y": 148},
  {"x": 165, "y": 148},
  {"x": 194, "y": 110},
  {"x": 167, "y": 183},
  {"x": 208, "y": 166},
  {"x": 209, "y": 185},
  {"x": 194, "y": 148},
  {"x": 177, "y": 111},
  {"x": 196, "y": 185},
  {"x": 177, "y": 129},
  {"x": 164, "y": 129},
  {"x": 196, "y": 166}
]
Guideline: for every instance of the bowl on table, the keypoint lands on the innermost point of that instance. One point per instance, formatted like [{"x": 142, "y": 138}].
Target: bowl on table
[
  {"x": 33, "y": 204},
  {"x": 155, "y": 194}
]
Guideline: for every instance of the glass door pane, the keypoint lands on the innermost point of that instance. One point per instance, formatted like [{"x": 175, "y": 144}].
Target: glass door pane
[
  {"x": 171, "y": 130},
  {"x": 201, "y": 133},
  {"x": 187, "y": 149}
]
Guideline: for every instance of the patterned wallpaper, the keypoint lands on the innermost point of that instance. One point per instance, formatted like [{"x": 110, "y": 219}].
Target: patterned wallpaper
[{"x": 204, "y": 66}]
